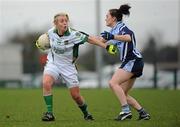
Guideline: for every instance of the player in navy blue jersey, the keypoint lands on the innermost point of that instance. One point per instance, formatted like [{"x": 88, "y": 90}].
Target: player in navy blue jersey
[{"x": 132, "y": 63}]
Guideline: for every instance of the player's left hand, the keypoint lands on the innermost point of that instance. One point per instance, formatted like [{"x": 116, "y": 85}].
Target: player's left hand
[{"x": 107, "y": 36}]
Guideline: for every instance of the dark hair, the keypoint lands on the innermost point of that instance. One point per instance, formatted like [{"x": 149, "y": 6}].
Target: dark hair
[{"x": 118, "y": 13}]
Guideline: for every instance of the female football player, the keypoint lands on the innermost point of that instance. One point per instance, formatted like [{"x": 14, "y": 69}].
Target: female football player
[
  {"x": 64, "y": 43},
  {"x": 132, "y": 62}
]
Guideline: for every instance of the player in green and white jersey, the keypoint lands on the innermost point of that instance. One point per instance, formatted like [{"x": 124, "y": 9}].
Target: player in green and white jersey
[{"x": 64, "y": 42}]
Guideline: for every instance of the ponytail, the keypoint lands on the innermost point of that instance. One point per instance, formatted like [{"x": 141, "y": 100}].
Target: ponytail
[
  {"x": 118, "y": 13},
  {"x": 124, "y": 9}
]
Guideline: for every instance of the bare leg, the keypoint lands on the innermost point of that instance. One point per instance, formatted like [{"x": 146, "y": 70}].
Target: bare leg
[
  {"x": 75, "y": 94},
  {"x": 119, "y": 77},
  {"x": 48, "y": 81},
  {"x": 126, "y": 86}
]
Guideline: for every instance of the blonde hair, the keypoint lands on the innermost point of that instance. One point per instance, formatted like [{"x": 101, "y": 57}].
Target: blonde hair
[{"x": 61, "y": 14}]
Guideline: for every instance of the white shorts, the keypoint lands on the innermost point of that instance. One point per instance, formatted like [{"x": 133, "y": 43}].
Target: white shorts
[{"x": 67, "y": 72}]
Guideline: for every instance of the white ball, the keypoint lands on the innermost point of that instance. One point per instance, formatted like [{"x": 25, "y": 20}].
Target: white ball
[{"x": 43, "y": 42}]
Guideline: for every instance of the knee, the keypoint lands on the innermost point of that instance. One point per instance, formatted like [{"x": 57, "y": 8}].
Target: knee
[
  {"x": 76, "y": 96},
  {"x": 112, "y": 84},
  {"x": 47, "y": 84}
]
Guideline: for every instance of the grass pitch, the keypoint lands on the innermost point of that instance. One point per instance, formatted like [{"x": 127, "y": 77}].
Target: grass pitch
[{"x": 24, "y": 108}]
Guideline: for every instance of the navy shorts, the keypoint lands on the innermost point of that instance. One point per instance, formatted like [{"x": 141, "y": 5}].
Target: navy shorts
[{"x": 134, "y": 66}]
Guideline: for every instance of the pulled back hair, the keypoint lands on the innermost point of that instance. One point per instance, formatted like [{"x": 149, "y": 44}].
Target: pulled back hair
[
  {"x": 118, "y": 13},
  {"x": 61, "y": 14}
]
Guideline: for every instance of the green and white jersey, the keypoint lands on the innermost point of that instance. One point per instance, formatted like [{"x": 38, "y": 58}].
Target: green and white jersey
[{"x": 64, "y": 48}]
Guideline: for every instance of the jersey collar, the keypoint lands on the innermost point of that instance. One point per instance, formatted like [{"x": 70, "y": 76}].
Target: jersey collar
[
  {"x": 118, "y": 24},
  {"x": 67, "y": 33}
]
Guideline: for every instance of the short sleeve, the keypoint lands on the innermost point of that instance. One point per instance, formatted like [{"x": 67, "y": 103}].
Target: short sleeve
[
  {"x": 79, "y": 38},
  {"x": 125, "y": 30}
]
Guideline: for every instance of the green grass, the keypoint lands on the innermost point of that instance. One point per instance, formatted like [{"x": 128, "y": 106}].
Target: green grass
[{"x": 24, "y": 107}]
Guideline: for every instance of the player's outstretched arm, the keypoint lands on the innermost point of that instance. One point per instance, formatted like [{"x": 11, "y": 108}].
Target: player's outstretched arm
[
  {"x": 111, "y": 49},
  {"x": 95, "y": 41}
]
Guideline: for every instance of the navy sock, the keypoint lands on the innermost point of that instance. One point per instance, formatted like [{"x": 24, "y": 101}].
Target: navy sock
[{"x": 141, "y": 110}]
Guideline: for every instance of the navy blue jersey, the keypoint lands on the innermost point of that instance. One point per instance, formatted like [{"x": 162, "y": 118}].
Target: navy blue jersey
[{"x": 127, "y": 50}]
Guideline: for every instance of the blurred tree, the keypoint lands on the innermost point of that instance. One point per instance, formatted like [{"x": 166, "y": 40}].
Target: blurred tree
[
  {"x": 87, "y": 60},
  {"x": 149, "y": 52},
  {"x": 30, "y": 53},
  {"x": 168, "y": 54},
  {"x": 165, "y": 53}
]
